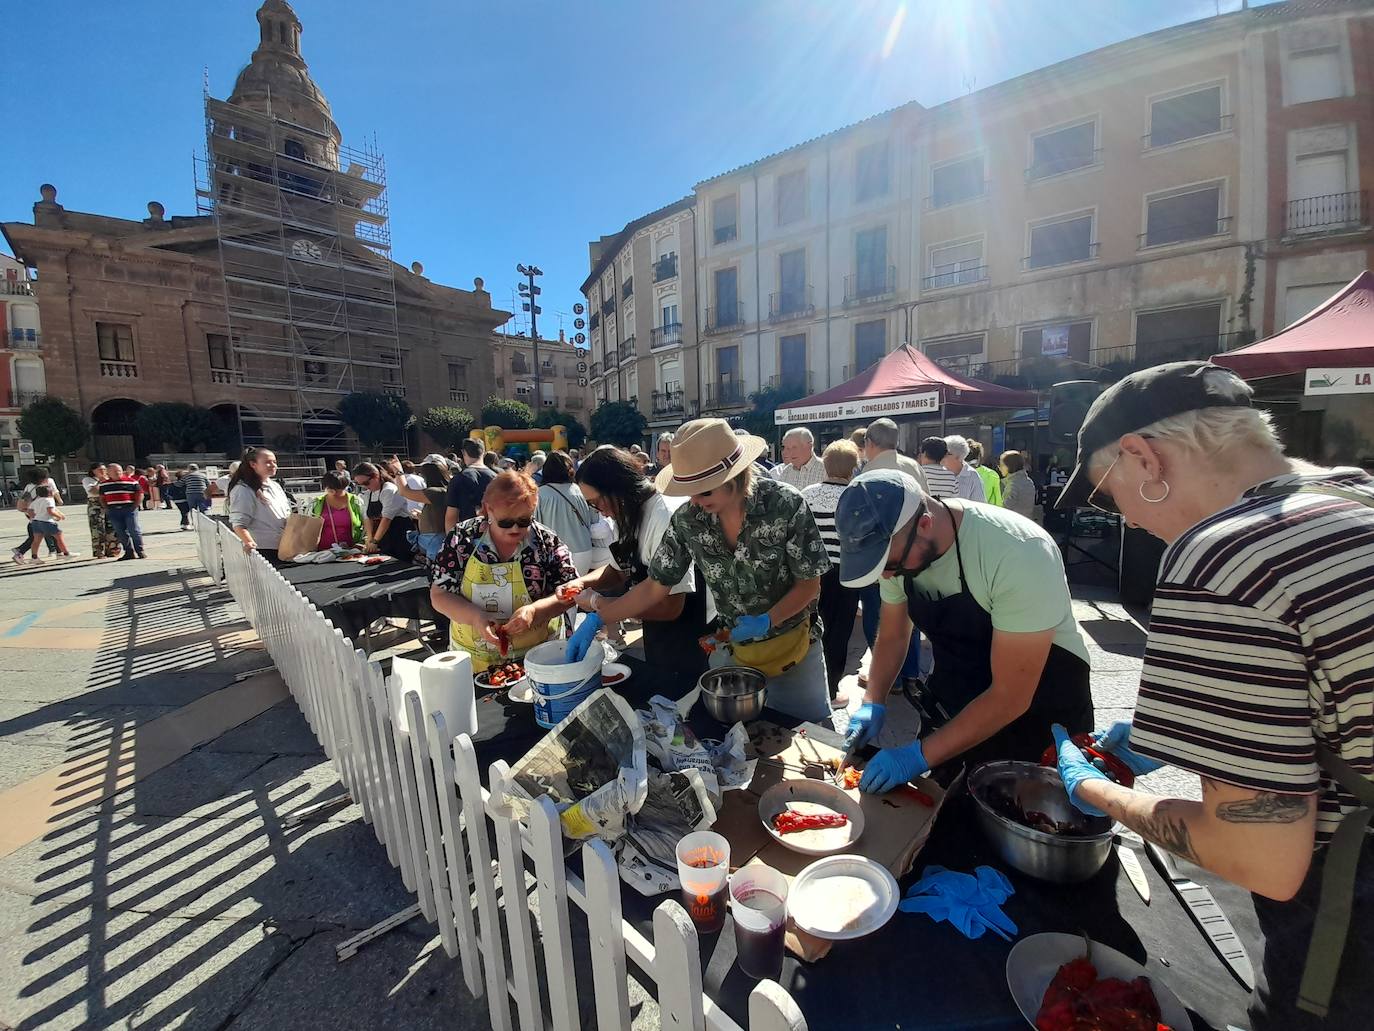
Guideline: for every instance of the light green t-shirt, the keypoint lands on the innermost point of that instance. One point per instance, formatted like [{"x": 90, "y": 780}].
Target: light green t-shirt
[{"x": 1014, "y": 571}]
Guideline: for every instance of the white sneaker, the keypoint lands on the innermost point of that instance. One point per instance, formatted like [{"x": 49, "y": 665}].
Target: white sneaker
[
  {"x": 71, "y": 554},
  {"x": 18, "y": 557},
  {"x": 37, "y": 559}
]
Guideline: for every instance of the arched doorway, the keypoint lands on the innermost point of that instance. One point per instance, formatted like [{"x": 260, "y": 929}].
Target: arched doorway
[
  {"x": 112, "y": 431},
  {"x": 245, "y": 428}
]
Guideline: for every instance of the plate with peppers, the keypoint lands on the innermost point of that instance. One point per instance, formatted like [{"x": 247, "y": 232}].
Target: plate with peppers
[
  {"x": 812, "y": 817},
  {"x": 1066, "y": 982}
]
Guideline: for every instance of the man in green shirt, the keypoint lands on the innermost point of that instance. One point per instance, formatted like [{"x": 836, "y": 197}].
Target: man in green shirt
[{"x": 987, "y": 587}]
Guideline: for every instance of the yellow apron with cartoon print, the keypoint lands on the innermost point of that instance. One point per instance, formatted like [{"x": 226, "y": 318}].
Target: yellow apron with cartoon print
[
  {"x": 775, "y": 655},
  {"x": 498, "y": 589}
]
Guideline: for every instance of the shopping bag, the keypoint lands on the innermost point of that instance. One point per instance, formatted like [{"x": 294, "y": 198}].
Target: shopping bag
[{"x": 302, "y": 534}]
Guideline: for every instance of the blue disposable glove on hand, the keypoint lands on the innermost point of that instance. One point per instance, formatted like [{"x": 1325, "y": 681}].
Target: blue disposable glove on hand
[
  {"x": 1074, "y": 769},
  {"x": 893, "y": 767},
  {"x": 749, "y": 627},
  {"x": 1116, "y": 739},
  {"x": 582, "y": 638},
  {"x": 866, "y": 724}
]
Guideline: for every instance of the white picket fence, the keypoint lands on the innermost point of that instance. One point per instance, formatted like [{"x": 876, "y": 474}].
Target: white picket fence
[{"x": 422, "y": 794}]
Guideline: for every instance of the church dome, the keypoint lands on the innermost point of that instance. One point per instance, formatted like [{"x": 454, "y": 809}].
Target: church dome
[{"x": 277, "y": 78}]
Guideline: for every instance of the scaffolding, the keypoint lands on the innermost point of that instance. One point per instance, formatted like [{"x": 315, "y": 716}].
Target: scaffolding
[{"x": 309, "y": 286}]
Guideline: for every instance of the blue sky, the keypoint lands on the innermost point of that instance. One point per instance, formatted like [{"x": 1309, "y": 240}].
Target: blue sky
[{"x": 512, "y": 132}]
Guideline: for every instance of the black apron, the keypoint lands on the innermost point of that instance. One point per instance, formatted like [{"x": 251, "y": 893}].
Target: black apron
[
  {"x": 960, "y": 632},
  {"x": 671, "y": 646},
  {"x": 394, "y": 542}
]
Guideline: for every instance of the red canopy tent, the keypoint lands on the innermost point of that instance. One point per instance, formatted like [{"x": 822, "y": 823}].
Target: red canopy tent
[
  {"x": 1338, "y": 334},
  {"x": 906, "y": 382}
]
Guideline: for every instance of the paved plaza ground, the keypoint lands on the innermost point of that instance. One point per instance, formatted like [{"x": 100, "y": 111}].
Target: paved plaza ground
[{"x": 150, "y": 754}]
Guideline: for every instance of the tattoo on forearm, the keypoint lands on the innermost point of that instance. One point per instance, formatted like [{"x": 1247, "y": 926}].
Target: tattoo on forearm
[
  {"x": 1167, "y": 832},
  {"x": 1265, "y": 807}
]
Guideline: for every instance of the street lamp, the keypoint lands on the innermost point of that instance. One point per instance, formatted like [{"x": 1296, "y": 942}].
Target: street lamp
[{"x": 529, "y": 294}]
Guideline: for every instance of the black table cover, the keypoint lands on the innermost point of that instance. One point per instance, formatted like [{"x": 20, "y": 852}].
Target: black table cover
[{"x": 352, "y": 595}]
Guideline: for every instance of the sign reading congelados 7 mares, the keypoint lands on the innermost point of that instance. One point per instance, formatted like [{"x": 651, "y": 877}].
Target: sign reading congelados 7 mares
[{"x": 860, "y": 408}]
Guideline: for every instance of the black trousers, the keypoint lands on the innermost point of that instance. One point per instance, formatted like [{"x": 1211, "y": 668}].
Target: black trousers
[{"x": 838, "y": 606}]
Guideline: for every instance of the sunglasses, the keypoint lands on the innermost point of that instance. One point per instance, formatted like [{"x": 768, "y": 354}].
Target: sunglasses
[
  {"x": 1103, "y": 502},
  {"x": 510, "y": 524},
  {"x": 896, "y": 567}
]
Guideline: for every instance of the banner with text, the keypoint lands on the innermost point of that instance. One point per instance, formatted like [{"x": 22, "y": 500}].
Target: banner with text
[
  {"x": 860, "y": 408},
  {"x": 1339, "y": 381}
]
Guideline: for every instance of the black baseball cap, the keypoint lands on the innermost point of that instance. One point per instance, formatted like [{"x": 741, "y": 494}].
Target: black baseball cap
[{"x": 1144, "y": 398}]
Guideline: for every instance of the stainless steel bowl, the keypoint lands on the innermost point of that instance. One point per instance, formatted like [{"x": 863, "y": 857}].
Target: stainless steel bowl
[
  {"x": 1063, "y": 859},
  {"x": 733, "y": 694}
]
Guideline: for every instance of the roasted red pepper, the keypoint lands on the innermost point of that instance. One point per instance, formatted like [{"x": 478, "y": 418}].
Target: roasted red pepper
[
  {"x": 1077, "y": 1001},
  {"x": 1115, "y": 768},
  {"x": 789, "y": 820},
  {"x": 502, "y": 640},
  {"x": 567, "y": 594}
]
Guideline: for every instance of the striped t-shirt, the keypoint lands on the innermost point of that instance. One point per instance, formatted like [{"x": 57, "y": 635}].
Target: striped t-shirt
[
  {"x": 119, "y": 493},
  {"x": 940, "y": 482},
  {"x": 1262, "y": 640},
  {"x": 822, "y": 498}
]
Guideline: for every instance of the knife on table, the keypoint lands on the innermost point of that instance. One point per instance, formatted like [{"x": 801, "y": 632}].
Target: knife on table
[
  {"x": 1203, "y": 908},
  {"x": 845, "y": 760},
  {"x": 1130, "y": 862}
]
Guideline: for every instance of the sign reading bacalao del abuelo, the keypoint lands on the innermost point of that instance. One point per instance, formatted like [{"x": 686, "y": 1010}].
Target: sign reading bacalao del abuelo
[{"x": 860, "y": 408}]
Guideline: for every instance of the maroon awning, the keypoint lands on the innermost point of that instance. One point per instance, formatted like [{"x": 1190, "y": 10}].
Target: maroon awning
[{"x": 1338, "y": 334}]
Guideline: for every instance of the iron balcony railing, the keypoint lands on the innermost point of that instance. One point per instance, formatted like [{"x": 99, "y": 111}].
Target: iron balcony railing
[
  {"x": 24, "y": 398},
  {"x": 667, "y": 402},
  {"x": 1063, "y": 163},
  {"x": 595, "y": 370},
  {"x": 665, "y": 268},
  {"x": 608, "y": 306},
  {"x": 612, "y": 358},
  {"x": 24, "y": 339},
  {"x": 665, "y": 336},
  {"x": 724, "y": 234},
  {"x": 627, "y": 288},
  {"x": 1199, "y": 129},
  {"x": 595, "y": 321},
  {"x": 802, "y": 380},
  {"x": 1327, "y": 213},
  {"x": 861, "y": 287},
  {"x": 1051, "y": 258},
  {"x": 723, "y": 394},
  {"x": 790, "y": 304},
  {"x": 1182, "y": 232},
  {"x": 724, "y": 317},
  {"x": 958, "y": 277},
  {"x": 627, "y": 348},
  {"x": 949, "y": 197}
]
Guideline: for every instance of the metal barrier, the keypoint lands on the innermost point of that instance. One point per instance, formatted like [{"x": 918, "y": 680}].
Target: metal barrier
[{"x": 422, "y": 794}]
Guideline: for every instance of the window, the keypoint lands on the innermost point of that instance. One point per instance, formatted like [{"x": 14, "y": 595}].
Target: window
[
  {"x": 218, "y": 346},
  {"x": 870, "y": 262},
  {"x": 792, "y": 361},
  {"x": 1062, "y": 150},
  {"x": 523, "y": 389},
  {"x": 727, "y": 297},
  {"x": 116, "y": 341},
  {"x": 1318, "y": 197},
  {"x": 1190, "y": 215},
  {"x": 1303, "y": 300},
  {"x": 294, "y": 149},
  {"x": 954, "y": 264},
  {"x": 871, "y": 172},
  {"x": 957, "y": 353},
  {"x": 1185, "y": 117},
  {"x": 1061, "y": 242},
  {"x": 729, "y": 388},
  {"x": 670, "y": 316},
  {"x": 724, "y": 219},
  {"x": 457, "y": 376},
  {"x": 791, "y": 187},
  {"x": 1072, "y": 340},
  {"x": 956, "y": 181},
  {"x": 870, "y": 344},
  {"x": 1315, "y": 75},
  {"x": 791, "y": 282},
  {"x": 1177, "y": 334}
]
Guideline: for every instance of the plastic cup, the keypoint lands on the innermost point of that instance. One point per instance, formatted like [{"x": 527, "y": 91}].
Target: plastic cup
[
  {"x": 758, "y": 904},
  {"x": 703, "y": 867}
]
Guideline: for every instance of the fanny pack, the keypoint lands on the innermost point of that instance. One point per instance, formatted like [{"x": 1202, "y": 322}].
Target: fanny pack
[{"x": 775, "y": 655}]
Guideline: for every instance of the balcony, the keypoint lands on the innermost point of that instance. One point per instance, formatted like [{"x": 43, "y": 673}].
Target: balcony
[
  {"x": 667, "y": 403},
  {"x": 119, "y": 370},
  {"x": 790, "y": 304},
  {"x": 1064, "y": 163},
  {"x": 460, "y": 396},
  {"x": 1106, "y": 364},
  {"x": 25, "y": 340},
  {"x": 594, "y": 323},
  {"x": 1331, "y": 213},
  {"x": 665, "y": 336},
  {"x": 394, "y": 389},
  {"x": 1053, "y": 258},
  {"x": 227, "y": 376},
  {"x": 596, "y": 370},
  {"x": 665, "y": 268},
  {"x": 960, "y": 194},
  {"x": 959, "y": 277},
  {"x": 724, "y": 234},
  {"x": 724, "y": 394},
  {"x": 612, "y": 358},
  {"x": 627, "y": 289},
  {"x": 1184, "y": 232},
  {"x": 801, "y": 381},
  {"x": 16, "y": 288},
  {"x": 627, "y": 348},
  {"x": 1200, "y": 130},
  {"x": 866, "y": 287},
  {"x": 23, "y": 398},
  {"x": 724, "y": 318},
  {"x": 608, "y": 306}
]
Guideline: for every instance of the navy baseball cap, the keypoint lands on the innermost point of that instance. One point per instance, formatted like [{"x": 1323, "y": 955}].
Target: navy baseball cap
[{"x": 871, "y": 510}]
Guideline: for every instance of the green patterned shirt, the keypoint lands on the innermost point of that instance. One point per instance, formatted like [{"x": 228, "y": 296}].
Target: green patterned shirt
[{"x": 778, "y": 546}]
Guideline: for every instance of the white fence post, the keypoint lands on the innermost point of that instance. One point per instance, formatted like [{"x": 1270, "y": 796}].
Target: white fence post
[
  {"x": 429, "y": 821},
  {"x": 677, "y": 968},
  {"x": 511, "y": 855},
  {"x": 607, "y": 937},
  {"x": 450, "y": 821},
  {"x": 550, "y": 872}
]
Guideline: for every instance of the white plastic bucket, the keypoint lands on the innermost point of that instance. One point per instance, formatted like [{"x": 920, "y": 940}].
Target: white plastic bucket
[{"x": 560, "y": 687}]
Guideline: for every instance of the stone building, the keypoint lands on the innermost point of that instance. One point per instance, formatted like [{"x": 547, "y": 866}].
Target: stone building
[
  {"x": 563, "y": 375},
  {"x": 272, "y": 302},
  {"x": 21, "y": 361}
]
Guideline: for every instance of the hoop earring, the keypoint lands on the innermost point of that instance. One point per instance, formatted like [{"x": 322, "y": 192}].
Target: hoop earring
[{"x": 1155, "y": 501}]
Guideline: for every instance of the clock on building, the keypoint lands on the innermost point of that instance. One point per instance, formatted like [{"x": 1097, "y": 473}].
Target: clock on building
[{"x": 306, "y": 249}]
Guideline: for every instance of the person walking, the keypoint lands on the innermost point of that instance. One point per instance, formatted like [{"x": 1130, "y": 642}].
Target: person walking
[
  {"x": 121, "y": 496},
  {"x": 992, "y": 479},
  {"x": 967, "y": 484},
  {"x": 104, "y": 543},
  {"x": 838, "y": 604},
  {"x": 176, "y": 494},
  {"x": 1018, "y": 490},
  {"x": 162, "y": 479},
  {"x": 197, "y": 486}
]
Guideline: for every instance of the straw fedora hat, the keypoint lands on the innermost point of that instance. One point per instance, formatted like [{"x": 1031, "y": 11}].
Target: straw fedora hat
[{"x": 706, "y": 453}]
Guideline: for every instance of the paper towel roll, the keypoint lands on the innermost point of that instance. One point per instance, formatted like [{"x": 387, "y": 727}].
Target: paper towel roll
[
  {"x": 446, "y": 686},
  {"x": 405, "y": 676}
]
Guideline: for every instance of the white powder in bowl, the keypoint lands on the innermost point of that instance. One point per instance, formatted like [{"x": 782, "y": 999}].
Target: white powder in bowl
[{"x": 834, "y": 904}]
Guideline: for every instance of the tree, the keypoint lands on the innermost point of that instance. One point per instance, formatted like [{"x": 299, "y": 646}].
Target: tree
[
  {"x": 577, "y": 433},
  {"x": 618, "y": 422},
  {"x": 508, "y": 414},
  {"x": 55, "y": 427},
  {"x": 376, "y": 418},
  {"x": 181, "y": 428},
  {"x": 762, "y": 403},
  {"x": 447, "y": 426}
]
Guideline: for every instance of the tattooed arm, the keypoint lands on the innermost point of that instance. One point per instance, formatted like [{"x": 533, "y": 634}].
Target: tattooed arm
[{"x": 1261, "y": 840}]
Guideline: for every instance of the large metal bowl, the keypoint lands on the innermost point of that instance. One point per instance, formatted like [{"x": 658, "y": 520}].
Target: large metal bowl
[
  {"x": 733, "y": 694},
  {"x": 1063, "y": 859}
]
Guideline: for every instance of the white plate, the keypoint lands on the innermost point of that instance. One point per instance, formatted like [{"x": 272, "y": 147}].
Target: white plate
[
  {"x": 479, "y": 680},
  {"x": 610, "y": 669},
  {"x": 810, "y": 795},
  {"x": 522, "y": 693},
  {"x": 1033, "y": 962},
  {"x": 817, "y": 900}
]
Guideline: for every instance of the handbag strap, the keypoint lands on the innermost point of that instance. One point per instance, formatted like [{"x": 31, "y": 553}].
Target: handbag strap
[{"x": 568, "y": 501}]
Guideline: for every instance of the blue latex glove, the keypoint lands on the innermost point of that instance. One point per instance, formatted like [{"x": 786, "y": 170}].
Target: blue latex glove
[
  {"x": 1074, "y": 769},
  {"x": 866, "y": 724},
  {"x": 582, "y": 638},
  {"x": 893, "y": 767},
  {"x": 749, "y": 627},
  {"x": 1116, "y": 739},
  {"x": 970, "y": 902}
]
